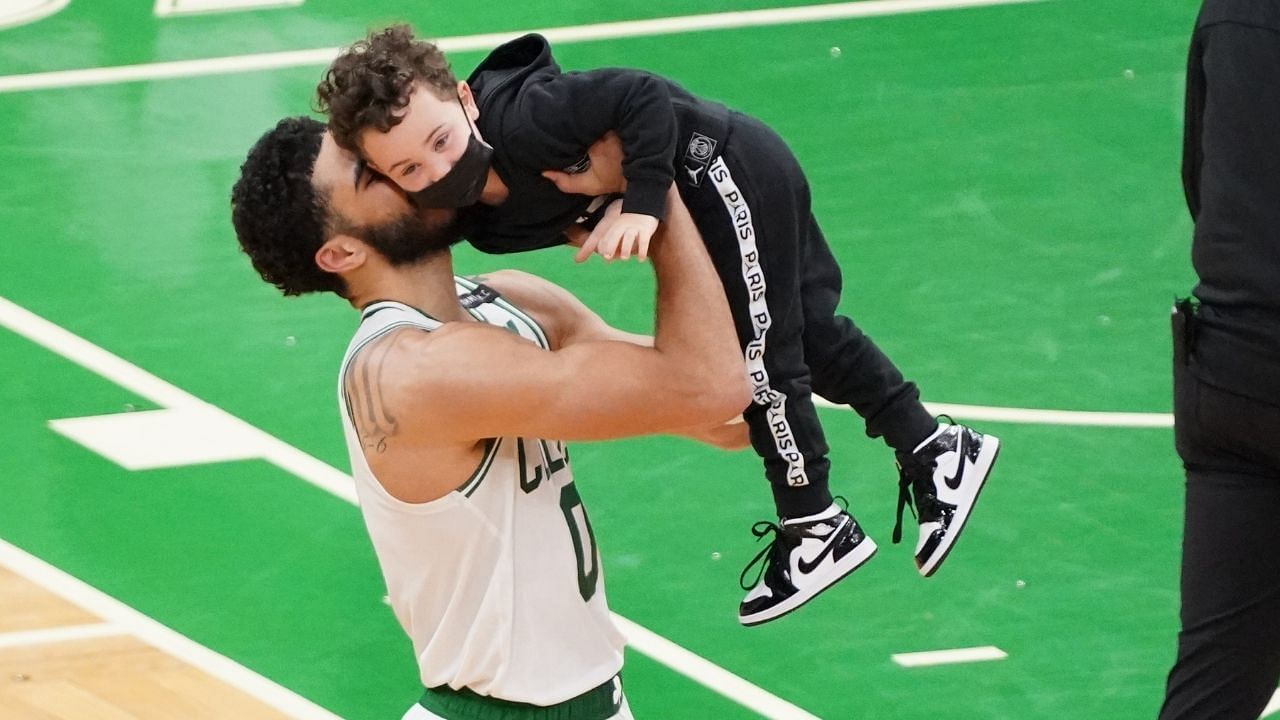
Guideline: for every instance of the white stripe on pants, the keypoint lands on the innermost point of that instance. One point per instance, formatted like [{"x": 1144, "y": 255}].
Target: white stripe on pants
[{"x": 761, "y": 321}]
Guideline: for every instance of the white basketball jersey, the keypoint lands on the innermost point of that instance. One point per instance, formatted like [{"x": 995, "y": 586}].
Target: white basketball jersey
[{"x": 498, "y": 583}]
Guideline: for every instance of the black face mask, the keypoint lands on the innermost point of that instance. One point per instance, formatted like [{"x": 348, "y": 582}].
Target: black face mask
[{"x": 464, "y": 182}]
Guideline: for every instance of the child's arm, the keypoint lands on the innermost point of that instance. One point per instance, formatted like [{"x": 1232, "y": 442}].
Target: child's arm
[
  {"x": 603, "y": 175},
  {"x": 555, "y": 120},
  {"x": 617, "y": 234}
]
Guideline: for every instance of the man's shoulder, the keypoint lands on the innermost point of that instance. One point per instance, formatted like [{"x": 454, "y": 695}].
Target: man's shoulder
[
  {"x": 411, "y": 349},
  {"x": 416, "y": 365}
]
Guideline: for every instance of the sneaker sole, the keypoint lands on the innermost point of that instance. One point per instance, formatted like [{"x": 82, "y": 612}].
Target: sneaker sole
[
  {"x": 986, "y": 460},
  {"x": 858, "y": 557}
]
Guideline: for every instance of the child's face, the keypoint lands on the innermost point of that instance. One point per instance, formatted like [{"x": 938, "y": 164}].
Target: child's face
[{"x": 431, "y": 136}]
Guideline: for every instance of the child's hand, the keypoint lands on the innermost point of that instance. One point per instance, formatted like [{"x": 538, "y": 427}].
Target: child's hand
[
  {"x": 602, "y": 177},
  {"x": 586, "y": 243},
  {"x": 620, "y": 236}
]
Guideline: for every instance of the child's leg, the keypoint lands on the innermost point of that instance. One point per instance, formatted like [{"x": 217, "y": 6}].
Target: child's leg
[
  {"x": 751, "y": 223},
  {"x": 763, "y": 291},
  {"x": 847, "y": 366},
  {"x": 750, "y": 229},
  {"x": 942, "y": 468}
]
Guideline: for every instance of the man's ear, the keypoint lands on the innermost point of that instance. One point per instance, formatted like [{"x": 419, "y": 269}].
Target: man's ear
[
  {"x": 341, "y": 254},
  {"x": 468, "y": 100}
]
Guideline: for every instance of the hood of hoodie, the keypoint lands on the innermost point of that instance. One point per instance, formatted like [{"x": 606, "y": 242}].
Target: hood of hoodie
[{"x": 507, "y": 68}]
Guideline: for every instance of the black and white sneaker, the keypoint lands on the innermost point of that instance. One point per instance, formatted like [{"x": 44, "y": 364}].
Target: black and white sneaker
[
  {"x": 944, "y": 476},
  {"x": 806, "y": 556}
]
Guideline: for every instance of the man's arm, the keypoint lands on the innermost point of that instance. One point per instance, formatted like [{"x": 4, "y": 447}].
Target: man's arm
[
  {"x": 562, "y": 316},
  {"x": 469, "y": 381},
  {"x": 567, "y": 320}
]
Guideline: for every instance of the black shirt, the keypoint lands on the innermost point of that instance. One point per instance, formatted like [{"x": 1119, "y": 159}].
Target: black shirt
[{"x": 1231, "y": 176}]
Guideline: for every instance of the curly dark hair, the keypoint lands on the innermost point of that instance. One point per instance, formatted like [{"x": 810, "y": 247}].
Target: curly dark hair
[
  {"x": 372, "y": 80},
  {"x": 280, "y": 218}
]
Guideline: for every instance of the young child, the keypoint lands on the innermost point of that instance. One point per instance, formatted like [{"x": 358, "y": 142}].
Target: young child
[{"x": 493, "y": 145}]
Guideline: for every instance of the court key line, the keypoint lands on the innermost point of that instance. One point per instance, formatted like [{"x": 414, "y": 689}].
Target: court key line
[
  {"x": 1032, "y": 416},
  {"x": 20, "y": 14},
  {"x": 929, "y": 658},
  {"x": 1272, "y": 707},
  {"x": 65, "y": 633},
  {"x": 559, "y": 35},
  {"x": 279, "y": 453},
  {"x": 172, "y": 8},
  {"x": 122, "y": 619}
]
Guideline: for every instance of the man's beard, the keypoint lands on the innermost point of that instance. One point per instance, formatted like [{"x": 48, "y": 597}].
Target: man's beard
[{"x": 410, "y": 239}]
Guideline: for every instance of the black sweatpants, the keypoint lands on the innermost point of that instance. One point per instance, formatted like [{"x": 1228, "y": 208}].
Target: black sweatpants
[
  {"x": 752, "y": 207},
  {"x": 1229, "y": 647}
]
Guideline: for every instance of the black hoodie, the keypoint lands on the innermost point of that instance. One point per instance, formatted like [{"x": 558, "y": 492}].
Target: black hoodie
[{"x": 538, "y": 118}]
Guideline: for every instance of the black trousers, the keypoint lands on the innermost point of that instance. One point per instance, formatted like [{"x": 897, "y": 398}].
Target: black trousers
[
  {"x": 1228, "y": 660},
  {"x": 1226, "y": 371},
  {"x": 752, "y": 207}
]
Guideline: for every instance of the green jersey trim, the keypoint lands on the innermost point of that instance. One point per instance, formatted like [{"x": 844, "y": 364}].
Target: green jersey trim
[
  {"x": 521, "y": 315},
  {"x": 473, "y": 482}
]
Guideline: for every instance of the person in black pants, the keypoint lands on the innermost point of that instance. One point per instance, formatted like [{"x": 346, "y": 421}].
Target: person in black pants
[
  {"x": 1227, "y": 369},
  {"x": 507, "y": 145}
]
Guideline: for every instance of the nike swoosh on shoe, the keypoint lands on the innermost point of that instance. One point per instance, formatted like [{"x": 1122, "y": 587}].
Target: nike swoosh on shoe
[
  {"x": 962, "y": 448},
  {"x": 835, "y": 536}
]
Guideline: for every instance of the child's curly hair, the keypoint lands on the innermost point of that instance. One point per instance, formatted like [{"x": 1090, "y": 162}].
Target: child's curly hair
[{"x": 371, "y": 81}]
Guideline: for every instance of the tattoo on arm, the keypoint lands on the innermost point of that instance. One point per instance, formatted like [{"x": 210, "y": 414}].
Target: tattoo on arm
[{"x": 365, "y": 388}]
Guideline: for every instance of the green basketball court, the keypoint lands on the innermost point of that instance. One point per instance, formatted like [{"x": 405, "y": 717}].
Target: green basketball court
[{"x": 999, "y": 182}]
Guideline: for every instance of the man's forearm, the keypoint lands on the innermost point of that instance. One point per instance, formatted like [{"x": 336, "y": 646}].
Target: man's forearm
[{"x": 694, "y": 326}]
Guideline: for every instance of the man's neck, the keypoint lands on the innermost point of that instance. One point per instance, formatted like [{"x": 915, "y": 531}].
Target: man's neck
[{"x": 427, "y": 286}]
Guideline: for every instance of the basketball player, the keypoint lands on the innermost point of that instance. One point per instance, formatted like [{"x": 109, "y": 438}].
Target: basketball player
[
  {"x": 507, "y": 146},
  {"x": 456, "y": 398}
]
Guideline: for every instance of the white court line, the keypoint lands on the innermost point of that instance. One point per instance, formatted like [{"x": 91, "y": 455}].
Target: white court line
[
  {"x": 1033, "y": 416},
  {"x": 285, "y": 456},
  {"x": 949, "y": 657},
  {"x": 1272, "y": 706},
  {"x": 144, "y": 384},
  {"x": 150, "y": 439},
  {"x": 169, "y": 8},
  {"x": 21, "y": 13},
  {"x": 66, "y": 633},
  {"x": 159, "y": 636},
  {"x": 705, "y": 672},
  {"x": 559, "y": 35}
]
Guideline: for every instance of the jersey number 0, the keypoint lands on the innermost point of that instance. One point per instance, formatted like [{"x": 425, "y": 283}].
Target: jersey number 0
[{"x": 575, "y": 515}]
